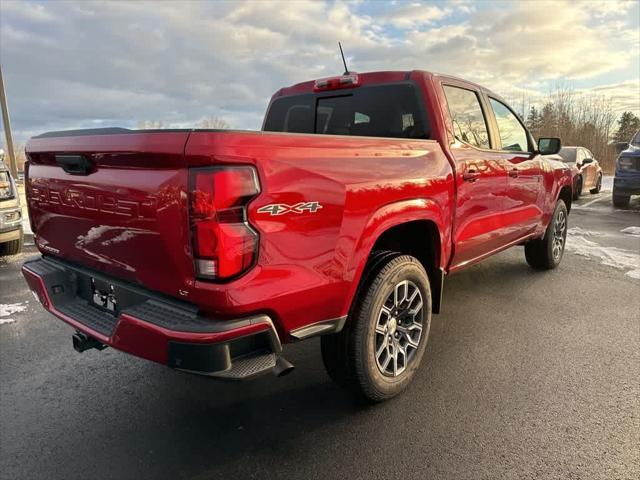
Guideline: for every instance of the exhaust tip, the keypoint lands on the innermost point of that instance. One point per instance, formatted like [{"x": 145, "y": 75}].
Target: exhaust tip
[{"x": 283, "y": 367}]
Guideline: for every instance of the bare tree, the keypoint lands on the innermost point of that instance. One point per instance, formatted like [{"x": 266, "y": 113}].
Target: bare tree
[
  {"x": 21, "y": 157},
  {"x": 152, "y": 125},
  {"x": 214, "y": 123},
  {"x": 581, "y": 120}
]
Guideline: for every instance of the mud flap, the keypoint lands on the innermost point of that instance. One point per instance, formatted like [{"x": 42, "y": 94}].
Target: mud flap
[{"x": 437, "y": 287}]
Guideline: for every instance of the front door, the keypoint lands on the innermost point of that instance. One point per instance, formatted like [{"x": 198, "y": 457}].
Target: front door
[{"x": 525, "y": 190}]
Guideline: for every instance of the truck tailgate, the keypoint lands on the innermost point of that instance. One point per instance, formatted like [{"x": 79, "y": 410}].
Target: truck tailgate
[{"x": 114, "y": 202}]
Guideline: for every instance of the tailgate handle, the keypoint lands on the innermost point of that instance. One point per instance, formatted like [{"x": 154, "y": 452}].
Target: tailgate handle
[{"x": 75, "y": 164}]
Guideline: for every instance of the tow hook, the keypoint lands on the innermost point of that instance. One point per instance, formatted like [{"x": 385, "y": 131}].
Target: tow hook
[{"x": 82, "y": 342}]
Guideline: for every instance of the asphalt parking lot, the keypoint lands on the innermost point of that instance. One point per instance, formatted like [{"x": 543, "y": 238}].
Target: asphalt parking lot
[{"x": 526, "y": 375}]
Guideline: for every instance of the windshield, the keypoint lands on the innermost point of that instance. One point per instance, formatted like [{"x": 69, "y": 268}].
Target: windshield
[
  {"x": 377, "y": 111},
  {"x": 636, "y": 138},
  {"x": 568, "y": 154}
]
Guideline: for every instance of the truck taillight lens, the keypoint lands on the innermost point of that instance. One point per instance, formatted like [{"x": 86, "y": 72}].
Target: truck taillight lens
[{"x": 224, "y": 244}]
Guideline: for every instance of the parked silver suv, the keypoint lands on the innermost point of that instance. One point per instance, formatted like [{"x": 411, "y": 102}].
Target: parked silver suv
[{"x": 11, "y": 234}]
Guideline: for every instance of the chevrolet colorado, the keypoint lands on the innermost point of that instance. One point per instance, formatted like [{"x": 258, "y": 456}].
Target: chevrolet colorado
[{"x": 207, "y": 250}]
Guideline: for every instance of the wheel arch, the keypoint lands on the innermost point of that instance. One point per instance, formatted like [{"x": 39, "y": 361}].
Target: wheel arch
[
  {"x": 566, "y": 195},
  {"x": 401, "y": 227}
]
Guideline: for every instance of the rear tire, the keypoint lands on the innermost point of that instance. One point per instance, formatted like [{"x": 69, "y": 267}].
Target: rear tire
[
  {"x": 578, "y": 190},
  {"x": 546, "y": 253},
  {"x": 379, "y": 350},
  {"x": 13, "y": 247},
  {"x": 598, "y": 186}
]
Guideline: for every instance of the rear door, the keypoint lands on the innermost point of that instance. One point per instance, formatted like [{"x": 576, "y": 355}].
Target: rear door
[
  {"x": 480, "y": 177},
  {"x": 525, "y": 190}
]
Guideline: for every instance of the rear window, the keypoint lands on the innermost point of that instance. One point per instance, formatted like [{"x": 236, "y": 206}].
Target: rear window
[
  {"x": 379, "y": 111},
  {"x": 568, "y": 154}
]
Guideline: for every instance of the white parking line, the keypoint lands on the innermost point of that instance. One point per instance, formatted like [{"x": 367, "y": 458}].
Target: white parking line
[{"x": 593, "y": 201}]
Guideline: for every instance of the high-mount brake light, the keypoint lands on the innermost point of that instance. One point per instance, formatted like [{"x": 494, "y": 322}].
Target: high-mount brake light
[
  {"x": 224, "y": 244},
  {"x": 336, "y": 83}
]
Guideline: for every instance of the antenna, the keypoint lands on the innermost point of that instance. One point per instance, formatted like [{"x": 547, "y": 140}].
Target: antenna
[{"x": 346, "y": 70}]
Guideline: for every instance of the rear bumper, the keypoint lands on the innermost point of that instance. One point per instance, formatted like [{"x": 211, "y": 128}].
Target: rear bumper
[
  {"x": 152, "y": 326},
  {"x": 626, "y": 184}
]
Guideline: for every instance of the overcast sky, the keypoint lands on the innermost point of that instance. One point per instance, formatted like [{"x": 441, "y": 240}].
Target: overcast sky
[{"x": 84, "y": 64}]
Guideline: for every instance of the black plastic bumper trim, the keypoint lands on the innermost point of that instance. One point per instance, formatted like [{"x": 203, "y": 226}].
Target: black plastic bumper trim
[{"x": 323, "y": 327}]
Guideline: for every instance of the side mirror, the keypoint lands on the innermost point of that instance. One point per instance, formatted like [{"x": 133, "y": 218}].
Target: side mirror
[
  {"x": 549, "y": 146},
  {"x": 587, "y": 160},
  {"x": 620, "y": 146}
]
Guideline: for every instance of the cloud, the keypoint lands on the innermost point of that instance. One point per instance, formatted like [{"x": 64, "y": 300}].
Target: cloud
[
  {"x": 83, "y": 64},
  {"x": 624, "y": 96},
  {"x": 413, "y": 15}
]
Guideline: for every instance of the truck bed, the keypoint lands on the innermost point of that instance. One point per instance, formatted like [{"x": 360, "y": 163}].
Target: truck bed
[{"x": 127, "y": 215}]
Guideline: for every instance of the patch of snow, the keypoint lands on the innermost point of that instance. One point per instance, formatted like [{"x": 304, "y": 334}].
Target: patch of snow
[
  {"x": 607, "y": 183},
  {"x": 633, "y": 231},
  {"x": 7, "y": 309},
  {"x": 584, "y": 233},
  {"x": 26, "y": 226},
  {"x": 578, "y": 244}
]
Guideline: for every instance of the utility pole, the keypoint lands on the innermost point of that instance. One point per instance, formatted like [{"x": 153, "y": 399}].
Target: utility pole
[{"x": 13, "y": 166}]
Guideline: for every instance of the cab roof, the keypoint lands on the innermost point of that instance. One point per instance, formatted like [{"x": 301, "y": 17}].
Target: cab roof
[{"x": 386, "y": 76}]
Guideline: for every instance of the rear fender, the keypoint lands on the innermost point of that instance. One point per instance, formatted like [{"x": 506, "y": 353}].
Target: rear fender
[
  {"x": 389, "y": 216},
  {"x": 558, "y": 179}
]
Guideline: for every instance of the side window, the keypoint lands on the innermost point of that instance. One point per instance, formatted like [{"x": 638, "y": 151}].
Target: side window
[
  {"x": 513, "y": 136},
  {"x": 469, "y": 124}
]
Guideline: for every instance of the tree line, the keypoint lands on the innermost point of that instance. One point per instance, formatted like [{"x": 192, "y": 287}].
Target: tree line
[{"x": 582, "y": 120}]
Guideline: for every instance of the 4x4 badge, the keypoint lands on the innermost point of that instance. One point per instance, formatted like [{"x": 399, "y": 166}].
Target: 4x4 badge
[{"x": 282, "y": 208}]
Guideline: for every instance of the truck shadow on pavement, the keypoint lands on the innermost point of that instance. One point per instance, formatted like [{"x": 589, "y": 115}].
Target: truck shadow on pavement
[{"x": 205, "y": 429}]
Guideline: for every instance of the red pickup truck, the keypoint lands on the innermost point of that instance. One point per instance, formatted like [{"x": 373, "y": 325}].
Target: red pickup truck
[{"x": 207, "y": 250}]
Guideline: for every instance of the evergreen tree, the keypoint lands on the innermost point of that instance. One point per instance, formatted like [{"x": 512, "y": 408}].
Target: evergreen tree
[{"x": 628, "y": 124}]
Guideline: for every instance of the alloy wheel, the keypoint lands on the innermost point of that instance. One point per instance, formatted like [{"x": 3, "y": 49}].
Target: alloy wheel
[
  {"x": 559, "y": 235},
  {"x": 399, "y": 329}
]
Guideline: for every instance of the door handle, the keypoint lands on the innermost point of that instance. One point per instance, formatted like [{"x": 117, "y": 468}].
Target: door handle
[
  {"x": 470, "y": 176},
  {"x": 75, "y": 164},
  {"x": 513, "y": 173}
]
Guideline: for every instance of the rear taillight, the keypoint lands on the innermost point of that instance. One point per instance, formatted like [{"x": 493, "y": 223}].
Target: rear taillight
[{"x": 224, "y": 244}]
